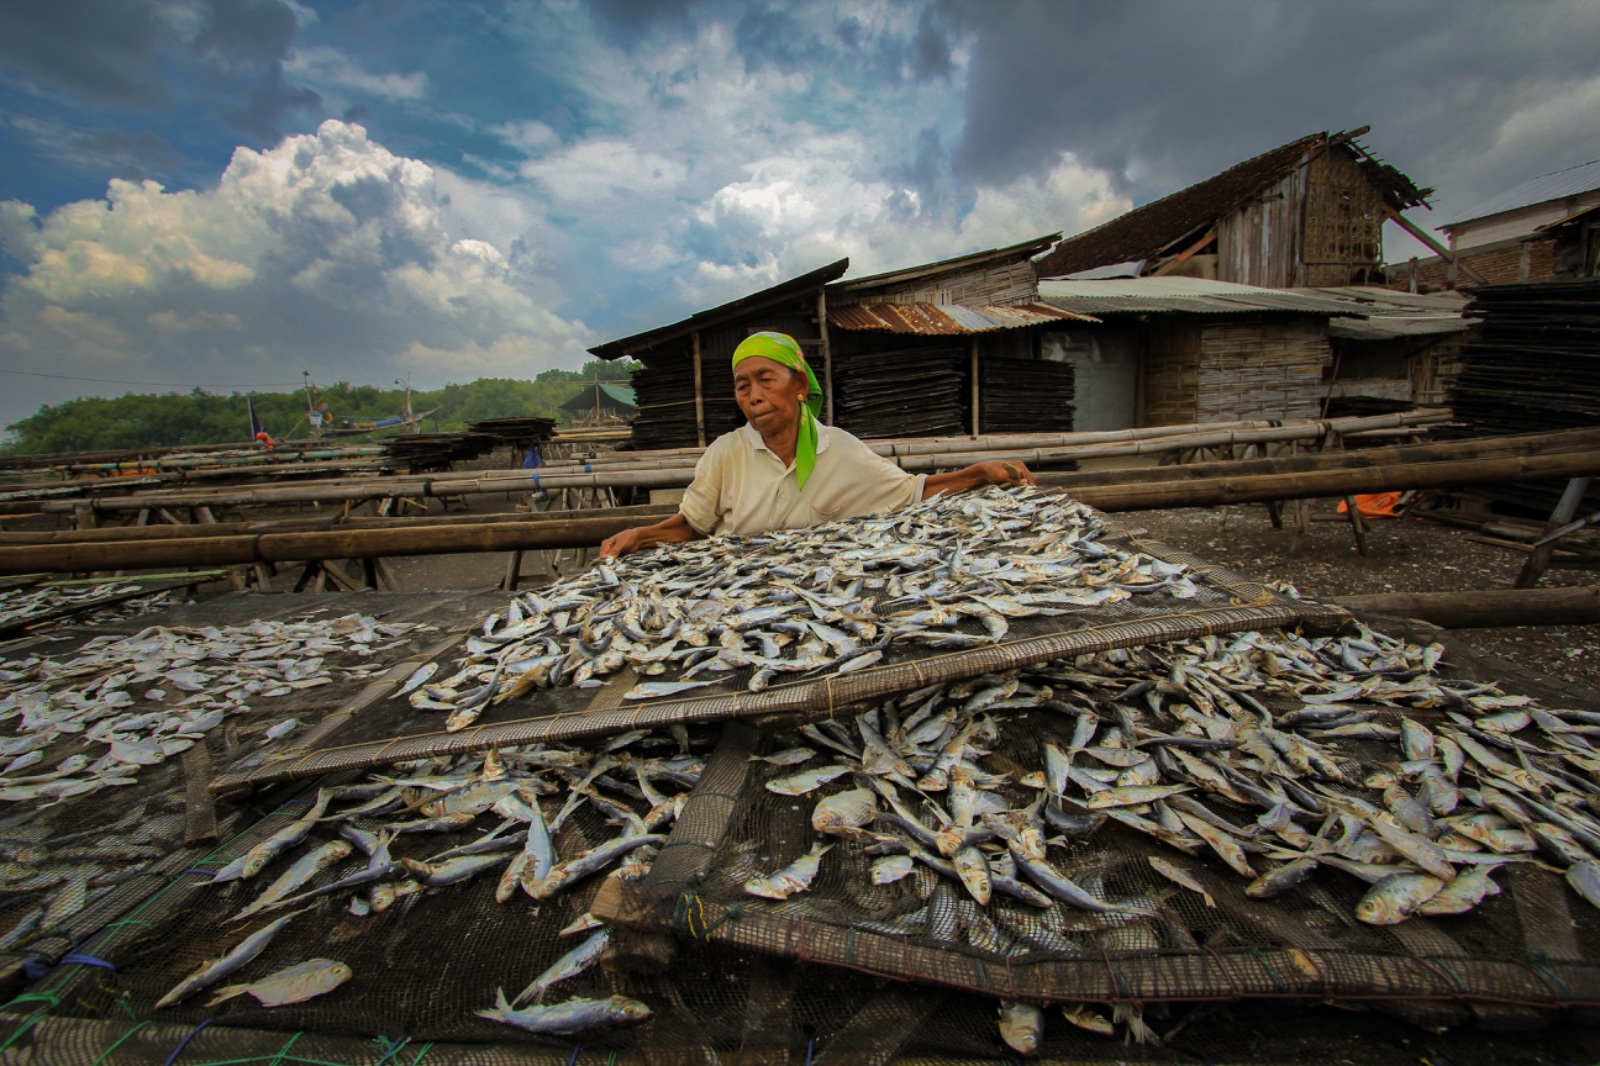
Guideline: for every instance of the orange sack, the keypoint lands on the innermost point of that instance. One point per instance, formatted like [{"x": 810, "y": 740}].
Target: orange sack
[{"x": 1376, "y": 505}]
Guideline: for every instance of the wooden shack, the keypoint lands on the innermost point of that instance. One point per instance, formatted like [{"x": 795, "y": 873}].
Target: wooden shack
[
  {"x": 942, "y": 348},
  {"x": 1308, "y": 213},
  {"x": 949, "y": 347},
  {"x": 1174, "y": 350}
]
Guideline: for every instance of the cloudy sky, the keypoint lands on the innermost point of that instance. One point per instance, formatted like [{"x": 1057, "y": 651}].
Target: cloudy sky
[{"x": 228, "y": 192}]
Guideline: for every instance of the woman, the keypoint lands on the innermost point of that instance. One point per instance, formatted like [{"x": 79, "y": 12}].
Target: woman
[{"x": 785, "y": 470}]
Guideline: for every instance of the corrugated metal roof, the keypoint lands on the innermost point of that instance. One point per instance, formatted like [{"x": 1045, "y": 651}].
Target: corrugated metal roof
[
  {"x": 941, "y": 320},
  {"x": 1569, "y": 181},
  {"x": 1382, "y": 327},
  {"x": 1199, "y": 296}
]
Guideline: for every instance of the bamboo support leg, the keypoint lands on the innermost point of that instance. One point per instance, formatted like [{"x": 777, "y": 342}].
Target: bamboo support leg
[
  {"x": 386, "y": 580},
  {"x": 1302, "y": 526},
  {"x": 1358, "y": 527},
  {"x": 513, "y": 572},
  {"x": 1275, "y": 514},
  {"x": 1539, "y": 559},
  {"x": 237, "y": 581}
]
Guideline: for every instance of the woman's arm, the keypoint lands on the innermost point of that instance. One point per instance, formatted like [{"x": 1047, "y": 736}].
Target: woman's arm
[
  {"x": 976, "y": 476},
  {"x": 674, "y": 530}
]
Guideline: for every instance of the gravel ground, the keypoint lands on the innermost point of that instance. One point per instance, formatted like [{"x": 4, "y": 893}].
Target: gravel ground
[{"x": 1404, "y": 555}]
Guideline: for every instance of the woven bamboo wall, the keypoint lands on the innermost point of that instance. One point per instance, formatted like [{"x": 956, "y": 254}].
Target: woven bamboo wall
[
  {"x": 1170, "y": 383},
  {"x": 1263, "y": 367},
  {"x": 1343, "y": 239}
]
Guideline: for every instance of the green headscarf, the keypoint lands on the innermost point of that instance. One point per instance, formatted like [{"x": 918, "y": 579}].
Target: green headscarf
[{"x": 785, "y": 350}]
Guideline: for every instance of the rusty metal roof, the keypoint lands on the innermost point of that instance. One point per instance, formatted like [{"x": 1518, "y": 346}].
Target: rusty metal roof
[
  {"x": 1160, "y": 226},
  {"x": 942, "y": 320}
]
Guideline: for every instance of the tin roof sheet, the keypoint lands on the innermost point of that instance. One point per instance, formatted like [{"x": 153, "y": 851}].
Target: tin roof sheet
[
  {"x": 1568, "y": 181},
  {"x": 1199, "y": 296},
  {"x": 942, "y": 320}
]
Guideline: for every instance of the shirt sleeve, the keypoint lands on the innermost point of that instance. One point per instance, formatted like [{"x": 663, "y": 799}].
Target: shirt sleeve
[
  {"x": 873, "y": 484},
  {"x": 702, "y": 500}
]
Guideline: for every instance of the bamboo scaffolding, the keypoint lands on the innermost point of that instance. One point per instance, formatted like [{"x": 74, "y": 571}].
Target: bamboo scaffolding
[
  {"x": 665, "y": 477},
  {"x": 568, "y": 531}
]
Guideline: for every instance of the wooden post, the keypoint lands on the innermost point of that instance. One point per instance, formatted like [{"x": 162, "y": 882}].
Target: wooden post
[
  {"x": 1449, "y": 256},
  {"x": 699, "y": 397},
  {"x": 827, "y": 357},
  {"x": 1539, "y": 559},
  {"x": 973, "y": 364}
]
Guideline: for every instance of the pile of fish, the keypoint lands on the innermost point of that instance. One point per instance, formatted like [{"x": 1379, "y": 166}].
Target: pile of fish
[
  {"x": 368, "y": 847},
  {"x": 122, "y": 703},
  {"x": 1269, "y": 757},
  {"x": 48, "y": 877},
  {"x": 792, "y": 603},
  {"x": 21, "y": 604}
]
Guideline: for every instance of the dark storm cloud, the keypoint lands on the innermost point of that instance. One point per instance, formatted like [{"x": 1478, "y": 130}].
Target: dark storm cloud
[
  {"x": 124, "y": 53},
  {"x": 1162, "y": 94},
  {"x": 130, "y": 155},
  {"x": 101, "y": 49},
  {"x": 245, "y": 43},
  {"x": 625, "y": 23}
]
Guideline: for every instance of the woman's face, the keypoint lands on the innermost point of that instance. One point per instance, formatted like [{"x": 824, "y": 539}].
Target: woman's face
[{"x": 769, "y": 394}]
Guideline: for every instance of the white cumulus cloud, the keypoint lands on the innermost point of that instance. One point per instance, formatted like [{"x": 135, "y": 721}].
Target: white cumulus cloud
[{"x": 327, "y": 252}]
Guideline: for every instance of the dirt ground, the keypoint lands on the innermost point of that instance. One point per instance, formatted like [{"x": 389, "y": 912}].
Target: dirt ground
[{"x": 1404, "y": 555}]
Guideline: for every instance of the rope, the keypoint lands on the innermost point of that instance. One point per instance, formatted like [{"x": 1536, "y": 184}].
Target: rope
[
  {"x": 396, "y": 1046},
  {"x": 185, "y": 1042},
  {"x": 50, "y": 999},
  {"x": 425, "y": 1049},
  {"x": 575, "y": 1049},
  {"x": 117, "y": 1043}
]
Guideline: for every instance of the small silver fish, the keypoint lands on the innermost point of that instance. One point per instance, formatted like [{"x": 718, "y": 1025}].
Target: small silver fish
[
  {"x": 306, "y": 980},
  {"x": 796, "y": 877},
  {"x": 567, "y": 966},
  {"x": 210, "y": 972},
  {"x": 572, "y": 1016}
]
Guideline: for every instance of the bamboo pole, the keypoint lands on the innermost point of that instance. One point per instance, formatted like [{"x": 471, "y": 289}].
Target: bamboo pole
[
  {"x": 1487, "y": 608},
  {"x": 1472, "y": 448},
  {"x": 699, "y": 396},
  {"x": 1340, "y": 482},
  {"x": 317, "y": 525},
  {"x": 298, "y": 547}
]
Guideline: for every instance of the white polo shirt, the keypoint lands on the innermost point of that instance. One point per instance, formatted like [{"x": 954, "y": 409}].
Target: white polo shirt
[{"x": 741, "y": 486}]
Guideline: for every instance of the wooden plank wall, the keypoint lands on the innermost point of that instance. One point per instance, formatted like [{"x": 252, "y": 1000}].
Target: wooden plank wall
[
  {"x": 994, "y": 283},
  {"x": 1259, "y": 244},
  {"x": 1262, "y": 367}
]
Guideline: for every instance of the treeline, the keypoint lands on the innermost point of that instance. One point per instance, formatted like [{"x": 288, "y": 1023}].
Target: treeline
[{"x": 143, "y": 420}]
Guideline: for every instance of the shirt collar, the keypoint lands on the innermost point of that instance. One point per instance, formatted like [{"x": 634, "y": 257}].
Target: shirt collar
[{"x": 753, "y": 435}]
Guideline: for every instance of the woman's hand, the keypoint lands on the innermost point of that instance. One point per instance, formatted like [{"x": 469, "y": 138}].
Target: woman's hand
[
  {"x": 620, "y": 544},
  {"x": 674, "y": 530},
  {"x": 1008, "y": 472}
]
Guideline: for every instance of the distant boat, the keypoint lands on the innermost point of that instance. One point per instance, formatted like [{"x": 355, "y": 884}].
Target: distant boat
[{"x": 350, "y": 427}]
